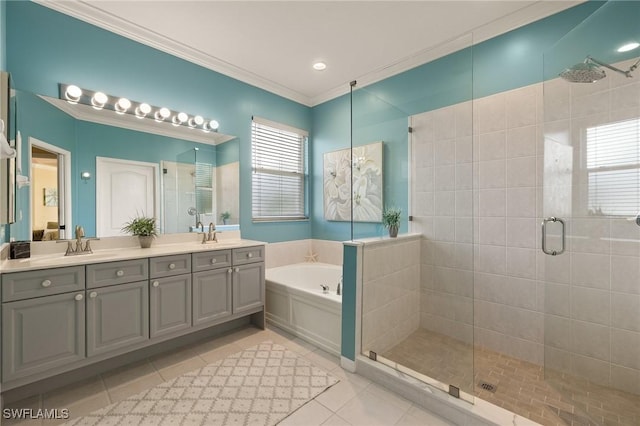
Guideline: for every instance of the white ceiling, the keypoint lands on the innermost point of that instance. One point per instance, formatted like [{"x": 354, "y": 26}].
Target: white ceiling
[{"x": 272, "y": 45}]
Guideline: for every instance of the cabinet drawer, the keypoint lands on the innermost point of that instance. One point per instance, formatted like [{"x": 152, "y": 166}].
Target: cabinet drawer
[
  {"x": 211, "y": 260},
  {"x": 248, "y": 255},
  {"x": 43, "y": 282},
  {"x": 167, "y": 266},
  {"x": 112, "y": 273}
]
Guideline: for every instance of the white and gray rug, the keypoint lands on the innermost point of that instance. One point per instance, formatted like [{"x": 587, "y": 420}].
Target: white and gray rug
[{"x": 258, "y": 386}]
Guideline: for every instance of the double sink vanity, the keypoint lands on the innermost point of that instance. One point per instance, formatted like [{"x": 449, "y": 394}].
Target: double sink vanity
[{"x": 62, "y": 313}]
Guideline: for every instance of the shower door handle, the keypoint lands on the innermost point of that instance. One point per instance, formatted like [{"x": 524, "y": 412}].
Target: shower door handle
[{"x": 544, "y": 236}]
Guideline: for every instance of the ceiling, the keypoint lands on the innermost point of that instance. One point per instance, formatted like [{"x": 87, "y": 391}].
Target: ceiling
[{"x": 272, "y": 45}]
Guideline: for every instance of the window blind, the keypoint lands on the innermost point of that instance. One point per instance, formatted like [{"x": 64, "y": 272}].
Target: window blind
[
  {"x": 613, "y": 166},
  {"x": 278, "y": 166}
]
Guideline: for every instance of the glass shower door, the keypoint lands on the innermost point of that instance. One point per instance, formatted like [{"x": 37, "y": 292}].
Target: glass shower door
[{"x": 589, "y": 257}]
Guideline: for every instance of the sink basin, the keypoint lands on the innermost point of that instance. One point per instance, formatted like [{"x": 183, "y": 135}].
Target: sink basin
[{"x": 58, "y": 259}]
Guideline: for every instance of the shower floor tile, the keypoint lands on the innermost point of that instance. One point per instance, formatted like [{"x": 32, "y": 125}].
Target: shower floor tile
[{"x": 518, "y": 386}]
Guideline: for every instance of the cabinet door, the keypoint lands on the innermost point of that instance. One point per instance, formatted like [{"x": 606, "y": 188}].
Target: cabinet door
[
  {"x": 248, "y": 287},
  {"x": 170, "y": 304},
  {"x": 42, "y": 333},
  {"x": 211, "y": 295},
  {"x": 117, "y": 316}
]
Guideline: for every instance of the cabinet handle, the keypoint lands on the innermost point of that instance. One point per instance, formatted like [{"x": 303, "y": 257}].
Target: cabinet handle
[
  {"x": 213, "y": 261},
  {"x": 46, "y": 283},
  {"x": 79, "y": 297},
  {"x": 249, "y": 255},
  {"x": 120, "y": 273},
  {"x": 237, "y": 269},
  {"x": 93, "y": 295},
  {"x": 229, "y": 271},
  {"x": 172, "y": 266},
  {"x": 156, "y": 283}
]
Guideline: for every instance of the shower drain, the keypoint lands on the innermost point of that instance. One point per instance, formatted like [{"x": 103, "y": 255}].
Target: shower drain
[{"x": 487, "y": 386}]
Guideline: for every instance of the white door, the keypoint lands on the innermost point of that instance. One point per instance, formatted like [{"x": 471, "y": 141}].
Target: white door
[{"x": 124, "y": 189}]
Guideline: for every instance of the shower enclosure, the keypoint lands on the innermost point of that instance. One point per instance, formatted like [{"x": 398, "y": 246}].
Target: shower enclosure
[{"x": 522, "y": 285}]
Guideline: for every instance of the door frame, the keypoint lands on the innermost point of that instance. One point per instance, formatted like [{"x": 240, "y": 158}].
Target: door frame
[
  {"x": 101, "y": 162},
  {"x": 66, "y": 184}
]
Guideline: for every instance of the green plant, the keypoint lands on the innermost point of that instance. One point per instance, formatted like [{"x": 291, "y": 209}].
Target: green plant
[
  {"x": 225, "y": 215},
  {"x": 391, "y": 217},
  {"x": 141, "y": 226}
]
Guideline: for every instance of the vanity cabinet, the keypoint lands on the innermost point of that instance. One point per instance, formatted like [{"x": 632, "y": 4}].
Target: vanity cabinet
[
  {"x": 42, "y": 333},
  {"x": 43, "y": 323},
  {"x": 117, "y": 317},
  {"x": 59, "y": 319}
]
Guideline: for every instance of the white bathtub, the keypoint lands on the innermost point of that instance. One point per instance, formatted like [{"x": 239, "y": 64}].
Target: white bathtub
[{"x": 296, "y": 303}]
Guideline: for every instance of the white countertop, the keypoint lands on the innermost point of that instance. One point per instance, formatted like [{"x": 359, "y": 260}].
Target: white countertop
[{"x": 56, "y": 260}]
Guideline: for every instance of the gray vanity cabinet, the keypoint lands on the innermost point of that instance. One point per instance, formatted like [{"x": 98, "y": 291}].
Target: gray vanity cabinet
[
  {"x": 211, "y": 295},
  {"x": 117, "y": 316},
  {"x": 42, "y": 333},
  {"x": 248, "y": 287},
  {"x": 170, "y": 304}
]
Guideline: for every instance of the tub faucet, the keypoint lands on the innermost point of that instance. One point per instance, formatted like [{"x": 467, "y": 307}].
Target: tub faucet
[
  {"x": 325, "y": 288},
  {"x": 339, "y": 288}
]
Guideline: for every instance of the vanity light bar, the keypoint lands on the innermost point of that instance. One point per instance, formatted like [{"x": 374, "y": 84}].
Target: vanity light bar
[{"x": 99, "y": 100}]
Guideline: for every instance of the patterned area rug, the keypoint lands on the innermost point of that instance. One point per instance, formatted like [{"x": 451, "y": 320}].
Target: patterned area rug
[{"x": 258, "y": 386}]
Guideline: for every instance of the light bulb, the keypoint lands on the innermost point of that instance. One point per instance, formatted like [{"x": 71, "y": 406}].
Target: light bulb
[
  {"x": 196, "y": 121},
  {"x": 122, "y": 105},
  {"x": 98, "y": 100},
  {"x": 180, "y": 118},
  {"x": 213, "y": 125},
  {"x": 162, "y": 114},
  {"x": 142, "y": 110},
  {"x": 73, "y": 94}
]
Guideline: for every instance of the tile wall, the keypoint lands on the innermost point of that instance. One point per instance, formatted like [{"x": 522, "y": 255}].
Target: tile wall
[
  {"x": 479, "y": 195},
  {"x": 391, "y": 291},
  {"x": 299, "y": 251}
]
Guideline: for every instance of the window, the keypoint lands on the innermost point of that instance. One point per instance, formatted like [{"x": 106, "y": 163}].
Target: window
[
  {"x": 278, "y": 166},
  {"x": 613, "y": 167}
]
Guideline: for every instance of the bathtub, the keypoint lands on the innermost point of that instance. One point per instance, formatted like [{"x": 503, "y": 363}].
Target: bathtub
[{"x": 296, "y": 303}]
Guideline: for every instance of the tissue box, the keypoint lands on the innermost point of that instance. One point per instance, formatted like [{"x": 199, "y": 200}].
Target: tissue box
[{"x": 19, "y": 249}]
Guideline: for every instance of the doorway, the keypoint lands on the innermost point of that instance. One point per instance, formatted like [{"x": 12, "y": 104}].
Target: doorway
[{"x": 50, "y": 192}]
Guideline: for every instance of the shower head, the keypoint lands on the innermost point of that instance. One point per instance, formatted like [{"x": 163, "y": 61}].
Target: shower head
[
  {"x": 584, "y": 72},
  {"x": 589, "y": 71},
  {"x": 192, "y": 211}
]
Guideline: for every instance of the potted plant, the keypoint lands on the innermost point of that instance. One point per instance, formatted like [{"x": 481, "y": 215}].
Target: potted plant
[
  {"x": 225, "y": 216},
  {"x": 391, "y": 220},
  {"x": 144, "y": 228}
]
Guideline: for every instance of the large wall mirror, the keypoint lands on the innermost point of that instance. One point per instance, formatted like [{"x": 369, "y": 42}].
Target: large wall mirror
[{"x": 91, "y": 168}]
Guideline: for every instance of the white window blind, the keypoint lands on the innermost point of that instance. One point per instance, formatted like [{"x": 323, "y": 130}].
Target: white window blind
[
  {"x": 278, "y": 165},
  {"x": 613, "y": 166}
]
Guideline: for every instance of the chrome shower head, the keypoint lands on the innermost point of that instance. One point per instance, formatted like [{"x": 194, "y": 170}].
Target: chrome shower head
[
  {"x": 584, "y": 72},
  {"x": 589, "y": 71}
]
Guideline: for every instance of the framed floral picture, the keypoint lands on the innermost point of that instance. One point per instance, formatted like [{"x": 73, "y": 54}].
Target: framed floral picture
[
  {"x": 363, "y": 166},
  {"x": 50, "y": 197}
]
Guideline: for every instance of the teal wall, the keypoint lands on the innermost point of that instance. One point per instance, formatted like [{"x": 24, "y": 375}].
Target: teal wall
[
  {"x": 3, "y": 35},
  {"x": 45, "y": 48}
]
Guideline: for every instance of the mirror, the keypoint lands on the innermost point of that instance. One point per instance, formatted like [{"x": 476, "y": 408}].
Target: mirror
[{"x": 86, "y": 151}]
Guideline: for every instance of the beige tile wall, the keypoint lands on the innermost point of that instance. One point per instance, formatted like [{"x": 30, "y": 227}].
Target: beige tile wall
[
  {"x": 479, "y": 206},
  {"x": 391, "y": 292},
  {"x": 298, "y": 251}
]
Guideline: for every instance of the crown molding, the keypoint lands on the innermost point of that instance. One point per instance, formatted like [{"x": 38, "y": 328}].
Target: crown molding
[
  {"x": 88, "y": 13},
  {"x": 128, "y": 121},
  {"x": 527, "y": 15},
  {"x": 84, "y": 11}
]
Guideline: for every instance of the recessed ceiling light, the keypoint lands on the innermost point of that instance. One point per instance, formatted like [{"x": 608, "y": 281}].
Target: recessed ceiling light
[
  {"x": 627, "y": 47},
  {"x": 319, "y": 66}
]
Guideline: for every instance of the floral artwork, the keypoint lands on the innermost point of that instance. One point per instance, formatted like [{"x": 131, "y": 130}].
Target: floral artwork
[
  {"x": 50, "y": 197},
  {"x": 367, "y": 184}
]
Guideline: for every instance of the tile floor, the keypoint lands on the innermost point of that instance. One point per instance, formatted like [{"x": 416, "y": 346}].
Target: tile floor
[
  {"x": 353, "y": 401},
  {"x": 520, "y": 386}
]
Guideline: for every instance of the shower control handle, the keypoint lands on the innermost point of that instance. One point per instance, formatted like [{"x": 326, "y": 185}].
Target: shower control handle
[{"x": 545, "y": 250}]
